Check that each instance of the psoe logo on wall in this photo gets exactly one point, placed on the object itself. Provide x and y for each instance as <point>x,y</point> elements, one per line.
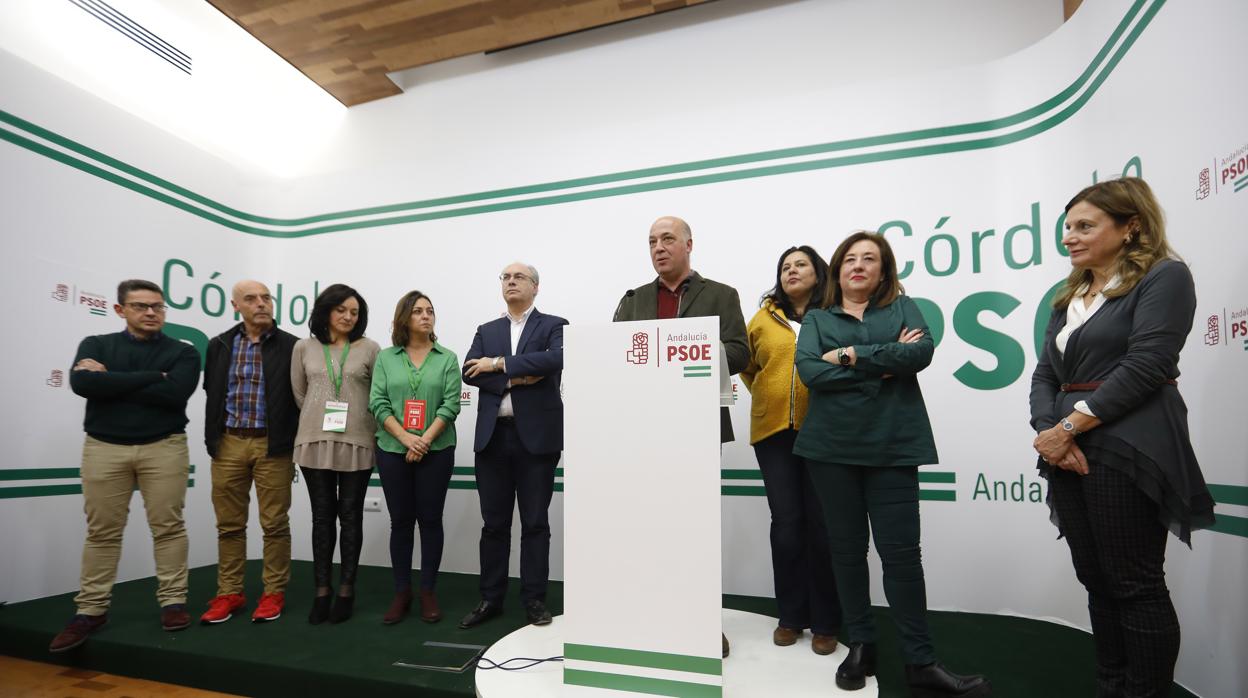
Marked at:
<point>1228,328</point>
<point>93,302</point>
<point>692,351</point>
<point>1228,173</point>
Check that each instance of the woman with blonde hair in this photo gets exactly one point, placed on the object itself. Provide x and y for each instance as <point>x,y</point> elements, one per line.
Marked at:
<point>1112,428</point>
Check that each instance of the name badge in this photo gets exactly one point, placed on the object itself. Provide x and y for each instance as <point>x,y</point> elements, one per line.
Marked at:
<point>335,416</point>
<point>414,414</point>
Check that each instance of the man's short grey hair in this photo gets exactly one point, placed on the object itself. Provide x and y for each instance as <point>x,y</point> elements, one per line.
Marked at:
<point>532,271</point>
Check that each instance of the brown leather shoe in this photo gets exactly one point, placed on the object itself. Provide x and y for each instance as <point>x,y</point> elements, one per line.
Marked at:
<point>77,632</point>
<point>823,644</point>
<point>175,617</point>
<point>429,611</point>
<point>399,607</point>
<point>725,637</point>
<point>785,636</point>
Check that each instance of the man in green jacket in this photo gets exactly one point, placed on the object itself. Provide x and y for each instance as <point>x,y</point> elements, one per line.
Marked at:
<point>679,291</point>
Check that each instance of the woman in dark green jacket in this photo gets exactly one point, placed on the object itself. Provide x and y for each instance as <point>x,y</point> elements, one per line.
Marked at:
<point>864,436</point>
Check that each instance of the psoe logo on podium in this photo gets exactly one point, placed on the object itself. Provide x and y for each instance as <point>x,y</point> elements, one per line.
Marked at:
<point>691,351</point>
<point>640,352</point>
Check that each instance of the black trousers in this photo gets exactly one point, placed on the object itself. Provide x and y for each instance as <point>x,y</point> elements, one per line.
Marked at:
<point>416,494</point>
<point>1118,546</point>
<point>508,475</point>
<point>336,496</point>
<point>863,502</point>
<point>800,561</point>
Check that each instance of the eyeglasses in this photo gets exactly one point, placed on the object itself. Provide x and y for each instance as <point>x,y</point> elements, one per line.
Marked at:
<point>159,308</point>
<point>505,277</point>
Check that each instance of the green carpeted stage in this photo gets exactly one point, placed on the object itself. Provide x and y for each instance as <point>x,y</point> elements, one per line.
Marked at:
<point>1024,658</point>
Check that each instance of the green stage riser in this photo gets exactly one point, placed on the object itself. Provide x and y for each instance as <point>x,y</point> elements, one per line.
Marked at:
<point>1024,658</point>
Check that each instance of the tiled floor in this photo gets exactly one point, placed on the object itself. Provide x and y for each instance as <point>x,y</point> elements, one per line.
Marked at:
<point>24,679</point>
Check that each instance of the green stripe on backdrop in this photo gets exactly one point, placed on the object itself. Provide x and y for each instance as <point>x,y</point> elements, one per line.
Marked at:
<point>712,666</point>
<point>641,684</point>
<point>742,491</point>
<point>38,491</point>
<point>1102,59</point>
<point>938,495</point>
<point>1229,494</point>
<point>39,473</point>
<point>947,478</point>
<point>1233,525</point>
<point>46,473</point>
<point>26,491</point>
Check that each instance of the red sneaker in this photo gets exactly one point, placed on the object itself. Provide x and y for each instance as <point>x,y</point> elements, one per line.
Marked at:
<point>269,608</point>
<point>221,608</point>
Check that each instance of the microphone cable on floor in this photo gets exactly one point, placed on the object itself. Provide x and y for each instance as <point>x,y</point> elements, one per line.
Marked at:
<point>483,663</point>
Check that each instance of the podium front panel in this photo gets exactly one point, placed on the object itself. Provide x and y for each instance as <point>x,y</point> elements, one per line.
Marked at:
<point>642,508</point>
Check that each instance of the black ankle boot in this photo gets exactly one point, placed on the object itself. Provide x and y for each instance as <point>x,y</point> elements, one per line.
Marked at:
<point>320,610</point>
<point>935,681</point>
<point>343,606</point>
<point>853,672</point>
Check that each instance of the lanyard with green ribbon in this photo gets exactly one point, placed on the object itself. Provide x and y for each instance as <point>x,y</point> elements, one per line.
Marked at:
<point>414,375</point>
<point>336,380</point>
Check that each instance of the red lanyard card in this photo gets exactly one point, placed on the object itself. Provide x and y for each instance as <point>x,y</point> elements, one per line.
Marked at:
<point>414,414</point>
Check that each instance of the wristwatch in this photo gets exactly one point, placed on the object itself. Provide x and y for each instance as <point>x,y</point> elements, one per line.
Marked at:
<point>1069,427</point>
<point>842,357</point>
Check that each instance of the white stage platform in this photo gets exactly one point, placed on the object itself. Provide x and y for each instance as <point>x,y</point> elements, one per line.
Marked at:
<point>756,668</point>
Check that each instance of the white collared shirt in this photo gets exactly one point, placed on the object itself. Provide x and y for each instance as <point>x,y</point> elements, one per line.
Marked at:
<point>517,328</point>
<point>1076,316</point>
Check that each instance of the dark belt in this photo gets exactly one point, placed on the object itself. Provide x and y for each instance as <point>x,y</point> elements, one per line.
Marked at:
<point>510,421</point>
<point>1089,387</point>
<point>247,432</point>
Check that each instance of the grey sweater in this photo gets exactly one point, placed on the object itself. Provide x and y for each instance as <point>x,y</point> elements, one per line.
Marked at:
<point>310,381</point>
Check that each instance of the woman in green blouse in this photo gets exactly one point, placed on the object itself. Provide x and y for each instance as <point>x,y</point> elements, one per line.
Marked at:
<point>415,399</point>
<point>865,434</point>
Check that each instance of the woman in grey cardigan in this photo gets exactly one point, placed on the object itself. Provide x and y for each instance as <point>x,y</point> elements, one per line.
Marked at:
<point>1112,428</point>
<point>331,373</point>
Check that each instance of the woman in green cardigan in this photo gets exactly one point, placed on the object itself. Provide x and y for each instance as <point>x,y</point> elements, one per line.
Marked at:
<point>865,434</point>
<point>415,399</point>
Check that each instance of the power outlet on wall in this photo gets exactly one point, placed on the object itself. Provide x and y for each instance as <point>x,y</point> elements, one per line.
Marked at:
<point>372,504</point>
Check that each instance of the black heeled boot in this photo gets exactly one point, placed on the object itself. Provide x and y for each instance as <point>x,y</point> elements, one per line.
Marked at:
<point>320,610</point>
<point>935,681</point>
<point>853,672</point>
<point>343,606</point>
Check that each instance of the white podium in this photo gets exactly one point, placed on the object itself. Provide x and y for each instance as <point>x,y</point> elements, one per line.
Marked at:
<point>642,509</point>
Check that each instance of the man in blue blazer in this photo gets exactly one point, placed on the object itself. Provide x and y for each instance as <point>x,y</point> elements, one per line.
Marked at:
<point>516,361</point>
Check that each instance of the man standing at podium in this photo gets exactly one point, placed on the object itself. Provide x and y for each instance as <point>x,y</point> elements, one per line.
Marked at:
<point>681,292</point>
<point>516,361</point>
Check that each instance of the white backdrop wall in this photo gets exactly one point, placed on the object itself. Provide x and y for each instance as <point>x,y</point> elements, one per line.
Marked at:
<point>1161,100</point>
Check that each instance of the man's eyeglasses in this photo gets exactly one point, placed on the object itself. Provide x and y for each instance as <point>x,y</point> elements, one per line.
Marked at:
<point>158,308</point>
<point>505,277</point>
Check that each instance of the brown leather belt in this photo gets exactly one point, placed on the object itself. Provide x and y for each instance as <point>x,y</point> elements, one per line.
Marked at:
<point>247,432</point>
<point>1089,387</point>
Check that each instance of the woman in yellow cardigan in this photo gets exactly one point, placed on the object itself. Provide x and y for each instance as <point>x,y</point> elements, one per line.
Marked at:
<point>805,586</point>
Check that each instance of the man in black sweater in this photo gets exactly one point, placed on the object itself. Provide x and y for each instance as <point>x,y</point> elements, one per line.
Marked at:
<point>136,383</point>
<point>249,427</point>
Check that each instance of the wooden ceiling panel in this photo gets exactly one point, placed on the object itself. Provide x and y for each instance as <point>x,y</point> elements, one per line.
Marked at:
<point>348,46</point>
